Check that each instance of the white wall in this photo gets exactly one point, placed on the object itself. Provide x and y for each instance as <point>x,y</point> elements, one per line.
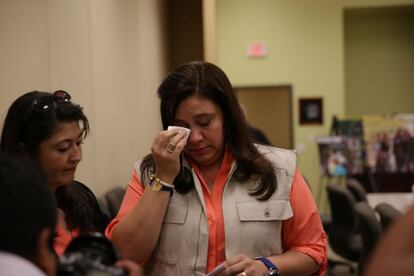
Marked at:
<point>108,54</point>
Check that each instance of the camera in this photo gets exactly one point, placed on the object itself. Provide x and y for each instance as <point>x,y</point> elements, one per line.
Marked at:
<point>89,255</point>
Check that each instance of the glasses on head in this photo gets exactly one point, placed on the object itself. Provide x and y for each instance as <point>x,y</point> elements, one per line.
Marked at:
<point>49,102</point>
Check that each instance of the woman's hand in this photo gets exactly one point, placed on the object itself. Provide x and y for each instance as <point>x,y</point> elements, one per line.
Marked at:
<point>130,267</point>
<point>290,262</point>
<point>242,265</point>
<point>166,150</point>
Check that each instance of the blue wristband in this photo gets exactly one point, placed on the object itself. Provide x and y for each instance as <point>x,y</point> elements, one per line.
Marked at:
<point>272,268</point>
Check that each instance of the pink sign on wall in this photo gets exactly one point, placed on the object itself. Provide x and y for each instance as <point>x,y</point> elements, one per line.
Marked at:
<point>257,50</point>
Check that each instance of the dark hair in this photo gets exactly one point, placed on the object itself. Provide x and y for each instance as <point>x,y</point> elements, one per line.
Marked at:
<point>27,207</point>
<point>209,81</point>
<point>24,128</point>
<point>81,208</point>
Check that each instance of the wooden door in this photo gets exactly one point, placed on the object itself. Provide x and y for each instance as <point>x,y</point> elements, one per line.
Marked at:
<point>269,109</point>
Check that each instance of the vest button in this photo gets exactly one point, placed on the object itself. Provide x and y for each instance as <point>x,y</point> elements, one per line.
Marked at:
<point>267,214</point>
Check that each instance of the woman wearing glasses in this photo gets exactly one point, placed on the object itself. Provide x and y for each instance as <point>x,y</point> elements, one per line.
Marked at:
<point>49,129</point>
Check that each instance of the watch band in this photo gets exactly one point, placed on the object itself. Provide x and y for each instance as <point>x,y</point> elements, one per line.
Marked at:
<point>153,177</point>
<point>272,268</point>
<point>159,185</point>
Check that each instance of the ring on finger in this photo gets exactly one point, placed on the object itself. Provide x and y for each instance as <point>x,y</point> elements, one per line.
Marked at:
<point>170,148</point>
<point>244,273</point>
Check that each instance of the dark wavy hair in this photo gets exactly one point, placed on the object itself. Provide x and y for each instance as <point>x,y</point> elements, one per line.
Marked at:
<point>206,80</point>
<point>25,129</point>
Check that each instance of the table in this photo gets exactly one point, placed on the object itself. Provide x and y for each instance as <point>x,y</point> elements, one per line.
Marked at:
<point>401,201</point>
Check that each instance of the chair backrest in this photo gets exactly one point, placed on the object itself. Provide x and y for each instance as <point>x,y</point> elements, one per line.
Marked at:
<point>342,235</point>
<point>387,213</point>
<point>104,205</point>
<point>114,199</point>
<point>356,189</point>
<point>370,229</point>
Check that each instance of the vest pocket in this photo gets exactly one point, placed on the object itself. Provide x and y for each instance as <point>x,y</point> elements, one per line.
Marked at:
<point>264,211</point>
<point>163,266</point>
<point>165,257</point>
<point>167,260</point>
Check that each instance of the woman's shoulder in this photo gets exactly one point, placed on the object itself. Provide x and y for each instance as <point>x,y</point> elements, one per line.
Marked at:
<point>81,205</point>
<point>77,190</point>
<point>79,186</point>
<point>277,152</point>
<point>282,158</point>
<point>74,189</point>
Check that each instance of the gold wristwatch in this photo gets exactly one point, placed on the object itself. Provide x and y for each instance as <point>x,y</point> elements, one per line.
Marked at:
<point>159,185</point>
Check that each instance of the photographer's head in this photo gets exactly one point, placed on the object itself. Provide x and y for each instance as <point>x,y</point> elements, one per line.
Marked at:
<point>28,213</point>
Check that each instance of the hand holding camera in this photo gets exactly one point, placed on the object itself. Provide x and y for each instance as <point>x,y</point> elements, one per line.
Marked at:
<point>94,255</point>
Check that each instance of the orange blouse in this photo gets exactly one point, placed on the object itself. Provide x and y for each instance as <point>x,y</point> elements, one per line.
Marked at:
<point>303,232</point>
<point>63,238</point>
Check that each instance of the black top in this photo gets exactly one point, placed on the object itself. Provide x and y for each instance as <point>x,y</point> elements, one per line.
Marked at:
<point>81,208</point>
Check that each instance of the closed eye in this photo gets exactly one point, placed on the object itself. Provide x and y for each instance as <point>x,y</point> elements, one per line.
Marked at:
<point>204,120</point>
<point>62,150</point>
<point>204,124</point>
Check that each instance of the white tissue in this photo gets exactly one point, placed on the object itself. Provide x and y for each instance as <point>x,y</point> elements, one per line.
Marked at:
<point>187,131</point>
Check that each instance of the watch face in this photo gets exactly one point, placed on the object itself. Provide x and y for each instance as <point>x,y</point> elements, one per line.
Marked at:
<point>156,186</point>
<point>272,272</point>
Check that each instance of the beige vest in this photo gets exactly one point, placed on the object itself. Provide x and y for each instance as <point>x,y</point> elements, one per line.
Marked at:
<point>251,227</point>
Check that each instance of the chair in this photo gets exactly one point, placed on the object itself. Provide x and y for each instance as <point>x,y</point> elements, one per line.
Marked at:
<point>387,214</point>
<point>370,229</point>
<point>342,235</point>
<point>356,189</point>
<point>103,204</point>
<point>114,199</point>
